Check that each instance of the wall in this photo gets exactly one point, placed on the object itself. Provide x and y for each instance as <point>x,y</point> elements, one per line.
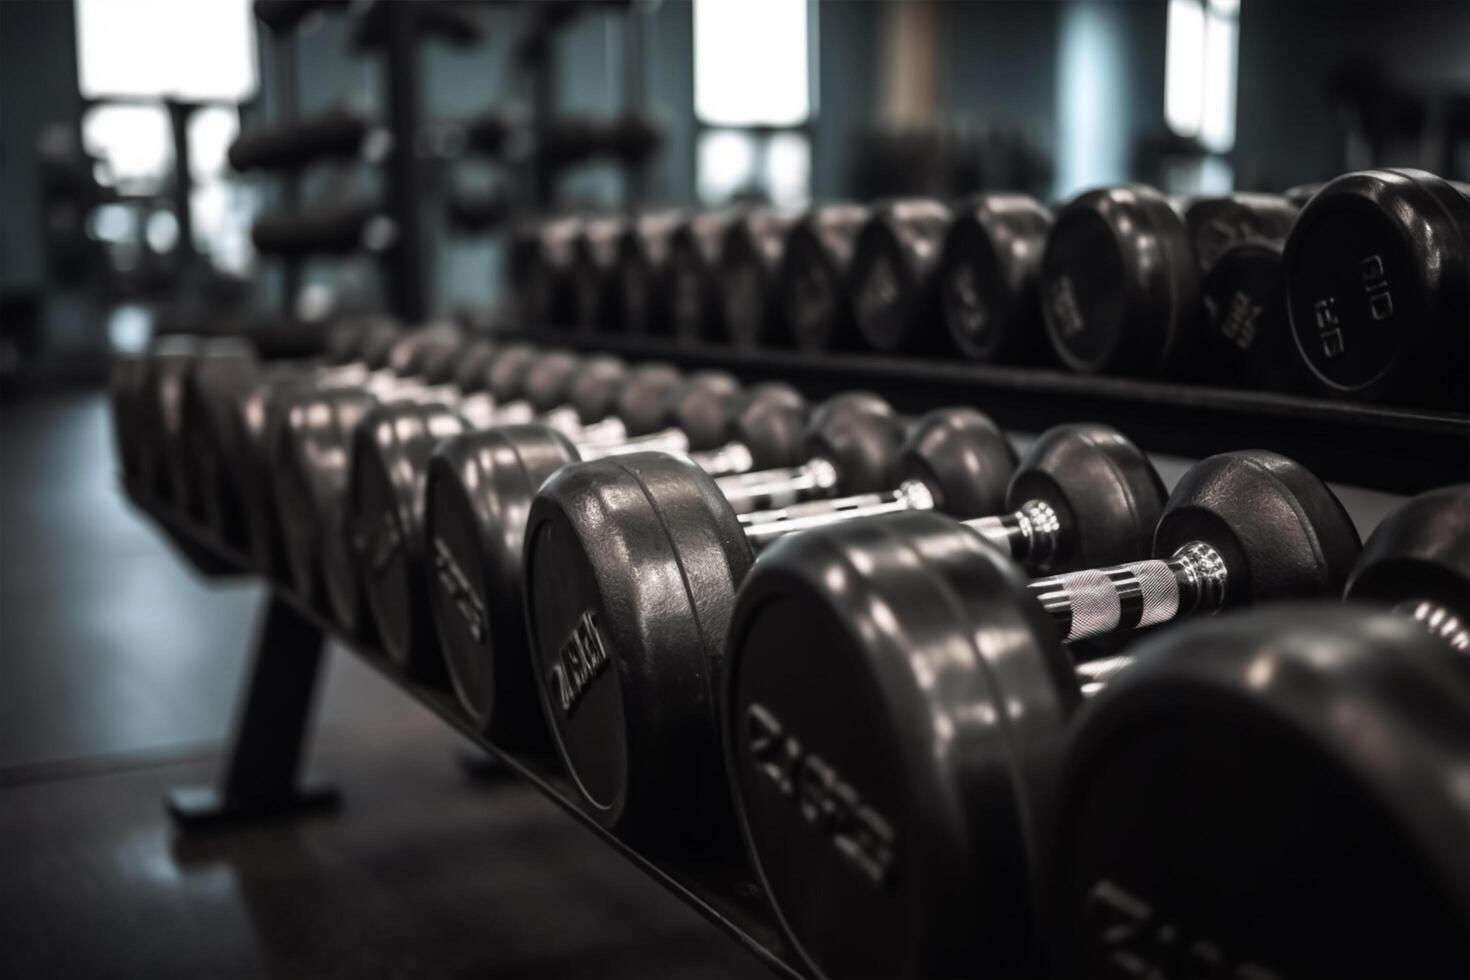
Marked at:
<point>38,86</point>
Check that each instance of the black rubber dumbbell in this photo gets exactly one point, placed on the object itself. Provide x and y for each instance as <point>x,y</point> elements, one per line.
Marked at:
<point>1120,275</point>
<point>543,270</point>
<point>693,301</point>
<point>1082,495</point>
<point>615,527</point>
<point>1378,288</point>
<point>642,274</point>
<point>1274,793</point>
<point>252,424</point>
<point>594,274</point>
<point>481,488</point>
<point>310,458</point>
<point>385,493</point>
<point>990,275</point>
<point>895,695</point>
<point>750,258</point>
<point>813,277</point>
<point>893,280</point>
<point>354,513</point>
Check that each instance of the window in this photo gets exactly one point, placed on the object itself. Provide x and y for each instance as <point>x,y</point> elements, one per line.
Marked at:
<point>753,99</point>
<point>1199,71</point>
<point>191,49</point>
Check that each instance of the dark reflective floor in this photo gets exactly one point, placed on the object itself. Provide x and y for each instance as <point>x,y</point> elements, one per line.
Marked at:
<point>120,671</point>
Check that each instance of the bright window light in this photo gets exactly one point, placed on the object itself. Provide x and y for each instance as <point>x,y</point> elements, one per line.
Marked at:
<point>135,140</point>
<point>727,165</point>
<point>750,62</point>
<point>193,49</point>
<point>789,169</point>
<point>1199,71</point>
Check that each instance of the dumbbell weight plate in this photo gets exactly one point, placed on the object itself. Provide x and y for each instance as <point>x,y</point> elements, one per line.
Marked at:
<point>624,697</point>
<point>989,278</point>
<point>1247,339</point>
<point>1267,794</point>
<point>812,279</point>
<point>886,798</point>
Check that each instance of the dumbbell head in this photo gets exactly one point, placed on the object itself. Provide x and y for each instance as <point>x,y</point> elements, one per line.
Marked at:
<point>859,438</point>
<point>1119,286</point>
<point>634,559</point>
<point>750,255</point>
<point>428,350</point>
<point>694,308</point>
<point>311,461</point>
<point>1269,793</point>
<point>505,374</point>
<point>1106,495</point>
<point>544,272</point>
<point>963,459</point>
<point>642,400</point>
<point>593,265</point>
<point>1216,223</point>
<point>595,387</point>
<point>892,707</point>
<point>642,272</point>
<point>548,380</point>
<point>892,282</point>
<point>1246,341</point>
<point>1419,553</point>
<point>812,279</point>
<point>389,458</point>
<point>1378,287</point>
<point>699,405</point>
<point>475,359</point>
<point>989,277</point>
<point>212,393</point>
<point>478,494</point>
<point>364,339</point>
<point>769,419</point>
<point>1280,532</point>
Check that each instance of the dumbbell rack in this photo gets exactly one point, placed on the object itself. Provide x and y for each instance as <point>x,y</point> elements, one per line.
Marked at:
<point>259,779</point>
<point>1381,447</point>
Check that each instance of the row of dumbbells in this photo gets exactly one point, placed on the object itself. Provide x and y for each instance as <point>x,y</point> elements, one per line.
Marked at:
<point>1358,288</point>
<point>890,703</point>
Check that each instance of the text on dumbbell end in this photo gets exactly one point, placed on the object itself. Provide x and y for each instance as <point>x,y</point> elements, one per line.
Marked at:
<point>823,799</point>
<point>579,660</point>
<point>1062,298</point>
<point>383,547</point>
<point>456,585</point>
<point>1134,940</point>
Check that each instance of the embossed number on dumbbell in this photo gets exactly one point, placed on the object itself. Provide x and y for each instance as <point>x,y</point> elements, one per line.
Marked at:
<point>1140,944</point>
<point>1375,284</point>
<point>823,798</point>
<point>457,587</point>
<point>1063,302</point>
<point>579,661</point>
<point>384,546</point>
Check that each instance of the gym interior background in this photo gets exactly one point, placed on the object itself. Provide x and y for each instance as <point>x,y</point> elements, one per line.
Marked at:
<point>172,168</point>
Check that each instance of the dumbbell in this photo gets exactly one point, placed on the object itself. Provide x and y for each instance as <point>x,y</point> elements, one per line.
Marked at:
<point>1247,340</point>
<point>594,267</point>
<point>543,273</point>
<point>1378,287</point>
<point>1120,274</point>
<point>750,258</point>
<point>480,489</point>
<point>642,266</point>
<point>257,419</point>
<point>310,458</point>
<point>693,310</point>
<point>390,458</point>
<point>616,528</point>
<point>554,388</point>
<point>895,695</point>
<point>989,278</point>
<point>812,280</point>
<point>1279,793</point>
<point>1083,495</point>
<point>893,280</point>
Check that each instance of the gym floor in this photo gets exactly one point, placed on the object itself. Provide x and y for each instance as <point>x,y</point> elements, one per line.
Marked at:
<point>121,674</point>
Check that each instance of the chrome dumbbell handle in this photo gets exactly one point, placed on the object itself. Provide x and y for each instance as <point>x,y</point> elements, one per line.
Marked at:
<point>910,495</point>
<point>1030,534</point>
<point>757,492</point>
<point>1095,601</point>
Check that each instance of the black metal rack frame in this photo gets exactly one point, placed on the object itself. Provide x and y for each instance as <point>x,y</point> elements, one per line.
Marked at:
<point>261,770</point>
